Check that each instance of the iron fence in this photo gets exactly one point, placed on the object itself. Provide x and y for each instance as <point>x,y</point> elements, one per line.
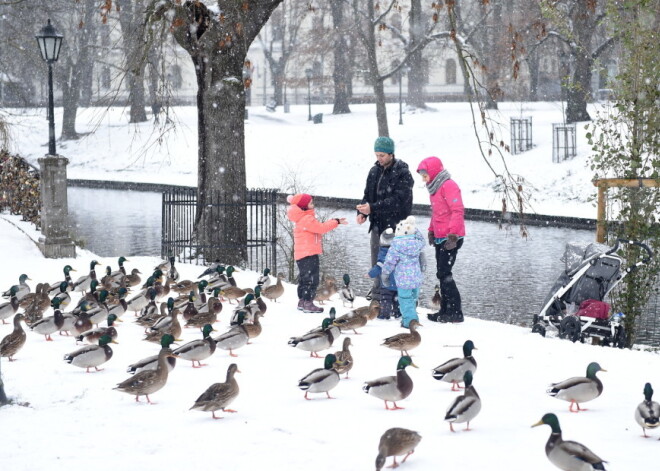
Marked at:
<point>179,210</point>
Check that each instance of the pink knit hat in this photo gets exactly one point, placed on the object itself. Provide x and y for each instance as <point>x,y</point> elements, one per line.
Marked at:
<point>301,200</point>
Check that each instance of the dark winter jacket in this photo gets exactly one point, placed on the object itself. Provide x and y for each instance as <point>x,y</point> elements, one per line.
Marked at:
<point>377,269</point>
<point>389,194</point>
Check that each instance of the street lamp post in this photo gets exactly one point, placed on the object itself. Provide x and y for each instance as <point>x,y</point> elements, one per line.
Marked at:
<point>308,74</point>
<point>55,242</point>
<point>402,71</point>
<point>50,42</point>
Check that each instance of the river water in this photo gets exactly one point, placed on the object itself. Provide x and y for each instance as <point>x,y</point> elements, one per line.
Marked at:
<point>501,276</point>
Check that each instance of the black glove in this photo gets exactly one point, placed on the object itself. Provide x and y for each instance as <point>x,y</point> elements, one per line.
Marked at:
<point>431,238</point>
<point>450,243</point>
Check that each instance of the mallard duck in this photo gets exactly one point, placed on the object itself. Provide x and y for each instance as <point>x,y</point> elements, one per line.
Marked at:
<point>63,295</point>
<point>392,388</point>
<point>336,331</point>
<point>149,310</point>
<point>466,407</point>
<point>133,279</point>
<point>120,273</point>
<point>264,280</point>
<point>234,338</point>
<point>209,316</point>
<point>142,299</point>
<point>38,293</point>
<point>579,389</point>
<point>67,278</point>
<point>211,269</point>
<point>198,350</point>
<point>82,322</point>
<point>83,282</point>
<point>185,286</point>
<point>91,356</point>
<point>121,306</point>
<point>436,300</point>
<point>274,292</point>
<point>219,279</point>
<point>148,381</point>
<point>98,311</point>
<point>190,310</point>
<point>162,290</point>
<point>396,442</point>
<point>49,325</point>
<point>344,358</point>
<point>452,371</point>
<point>90,296</point>
<point>108,281</point>
<point>219,395</point>
<point>164,265</point>
<point>315,341</point>
<point>247,308</point>
<point>173,275</point>
<point>233,292</point>
<point>647,413</point>
<point>38,305</point>
<point>321,380</point>
<point>93,336</point>
<point>327,289</point>
<point>568,455</point>
<point>166,325</point>
<point>23,288</point>
<point>351,321</point>
<point>370,312</point>
<point>346,293</point>
<point>406,341</point>
<point>13,342</point>
<point>261,304</point>
<point>254,330</point>
<point>8,309</point>
<point>151,362</point>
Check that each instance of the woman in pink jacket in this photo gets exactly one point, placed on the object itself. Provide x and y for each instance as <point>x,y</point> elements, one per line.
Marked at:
<point>446,233</point>
<point>307,246</point>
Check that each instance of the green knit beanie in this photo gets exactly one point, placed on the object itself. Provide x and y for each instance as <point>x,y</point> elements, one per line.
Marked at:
<point>384,144</point>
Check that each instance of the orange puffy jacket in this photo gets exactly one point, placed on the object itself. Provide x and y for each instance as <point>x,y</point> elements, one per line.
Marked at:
<point>308,231</point>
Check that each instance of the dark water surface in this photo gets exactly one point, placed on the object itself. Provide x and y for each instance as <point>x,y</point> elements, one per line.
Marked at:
<point>501,276</point>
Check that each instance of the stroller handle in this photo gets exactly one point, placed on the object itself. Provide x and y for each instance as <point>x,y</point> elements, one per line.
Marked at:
<point>645,260</point>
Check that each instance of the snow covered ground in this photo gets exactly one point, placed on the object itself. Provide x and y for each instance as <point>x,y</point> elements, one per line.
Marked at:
<point>329,159</point>
<point>63,418</point>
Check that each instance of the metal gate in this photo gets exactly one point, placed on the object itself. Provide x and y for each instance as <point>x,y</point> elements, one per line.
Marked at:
<point>178,216</point>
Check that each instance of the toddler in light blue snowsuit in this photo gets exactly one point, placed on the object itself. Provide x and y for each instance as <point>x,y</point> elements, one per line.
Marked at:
<point>406,260</point>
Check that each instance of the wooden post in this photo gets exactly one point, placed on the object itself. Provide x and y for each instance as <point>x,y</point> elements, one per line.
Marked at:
<point>603,184</point>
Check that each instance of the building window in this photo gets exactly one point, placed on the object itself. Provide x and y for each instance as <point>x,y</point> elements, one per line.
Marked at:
<point>450,71</point>
<point>176,80</point>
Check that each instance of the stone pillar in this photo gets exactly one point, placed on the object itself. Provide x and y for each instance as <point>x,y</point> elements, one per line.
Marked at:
<point>56,242</point>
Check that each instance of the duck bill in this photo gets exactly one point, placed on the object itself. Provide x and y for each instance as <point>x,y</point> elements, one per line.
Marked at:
<point>540,422</point>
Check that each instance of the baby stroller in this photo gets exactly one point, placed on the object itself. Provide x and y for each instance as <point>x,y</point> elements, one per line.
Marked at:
<point>575,306</point>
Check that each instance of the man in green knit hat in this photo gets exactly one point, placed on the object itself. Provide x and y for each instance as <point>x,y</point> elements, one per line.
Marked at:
<point>387,197</point>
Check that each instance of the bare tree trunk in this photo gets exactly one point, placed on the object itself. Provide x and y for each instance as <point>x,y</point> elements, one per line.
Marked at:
<point>415,63</point>
<point>340,72</point>
<point>533,66</point>
<point>579,90</point>
<point>218,49</point>
<point>132,26</point>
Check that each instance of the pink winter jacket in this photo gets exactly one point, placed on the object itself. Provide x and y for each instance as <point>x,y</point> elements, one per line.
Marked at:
<point>447,212</point>
<point>308,231</point>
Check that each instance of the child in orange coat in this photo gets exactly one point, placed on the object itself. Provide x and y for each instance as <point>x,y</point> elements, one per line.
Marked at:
<point>307,246</point>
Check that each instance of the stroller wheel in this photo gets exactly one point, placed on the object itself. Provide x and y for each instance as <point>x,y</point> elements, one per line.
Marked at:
<point>570,328</point>
<point>538,328</point>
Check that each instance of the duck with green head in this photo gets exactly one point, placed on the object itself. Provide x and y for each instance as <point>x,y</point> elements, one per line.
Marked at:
<point>568,455</point>
<point>91,356</point>
<point>579,389</point>
<point>67,278</point>
<point>150,362</point>
<point>453,371</point>
<point>120,273</point>
<point>93,336</point>
<point>23,288</point>
<point>82,283</point>
<point>465,407</point>
<point>198,350</point>
<point>219,396</point>
<point>647,413</point>
<point>264,280</point>
<point>315,341</point>
<point>63,295</point>
<point>321,380</point>
<point>392,388</point>
<point>9,308</point>
<point>234,338</point>
<point>346,293</point>
<point>49,325</point>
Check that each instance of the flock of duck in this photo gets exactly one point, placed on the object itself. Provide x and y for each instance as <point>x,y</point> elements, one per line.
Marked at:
<point>185,303</point>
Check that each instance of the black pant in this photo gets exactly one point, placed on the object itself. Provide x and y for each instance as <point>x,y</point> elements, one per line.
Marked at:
<point>308,277</point>
<point>374,243</point>
<point>451,298</point>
